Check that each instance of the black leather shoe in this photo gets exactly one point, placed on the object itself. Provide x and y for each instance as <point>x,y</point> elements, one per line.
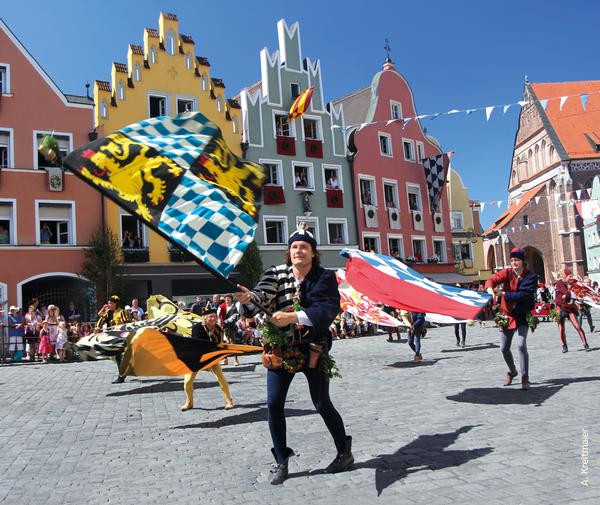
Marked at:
<point>343,460</point>
<point>279,472</point>
<point>565,348</point>
<point>119,380</point>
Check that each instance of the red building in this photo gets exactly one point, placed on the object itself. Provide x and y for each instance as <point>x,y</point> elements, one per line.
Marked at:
<point>46,216</point>
<point>394,214</point>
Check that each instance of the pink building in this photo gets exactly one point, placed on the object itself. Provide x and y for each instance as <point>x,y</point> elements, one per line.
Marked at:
<point>46,215</point>
<point>394,214</point>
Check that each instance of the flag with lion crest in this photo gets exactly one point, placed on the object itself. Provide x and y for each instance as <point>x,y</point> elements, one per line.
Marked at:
<point>179,177</point>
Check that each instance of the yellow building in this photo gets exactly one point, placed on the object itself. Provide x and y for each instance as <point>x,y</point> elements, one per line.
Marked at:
<point>162,77</point>
<point>467,241</point>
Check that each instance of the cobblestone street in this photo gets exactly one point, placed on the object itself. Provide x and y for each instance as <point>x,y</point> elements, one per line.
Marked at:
<point>441,431</point>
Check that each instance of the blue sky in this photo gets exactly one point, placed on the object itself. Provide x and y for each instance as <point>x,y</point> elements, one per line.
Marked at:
<point>460,54</point>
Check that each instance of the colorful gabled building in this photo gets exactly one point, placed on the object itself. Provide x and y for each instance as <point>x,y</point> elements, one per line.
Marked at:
<point>305,157</point>
<point>164,76</point>
<point>47,215</point>
<point>556,156</point>
<point>393,211</point>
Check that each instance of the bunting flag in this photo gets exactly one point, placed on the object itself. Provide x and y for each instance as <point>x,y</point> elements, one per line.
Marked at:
<point>362,306</point>
<point>436,169</point>
<point>563,100</point>
<point>388,281</point>
<point>585,292</point>
<point>152,352</point>
<point>178,176</point>
<point>301,103</point>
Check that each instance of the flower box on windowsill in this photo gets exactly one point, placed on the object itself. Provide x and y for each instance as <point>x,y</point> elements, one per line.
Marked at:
<point>314,148</point>
<point>433,259</point>
<point>136,255</point>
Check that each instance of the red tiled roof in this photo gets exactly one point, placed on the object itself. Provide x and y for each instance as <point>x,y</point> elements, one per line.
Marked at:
<point>507,216</point>
<point>186,39</point>
<point>170,16</point>
<point>255,87</point>
<point>203,60</point>
<point>572,123</point>
<point>152,32</point>
<point>135,49</point>
<point>104,86</point>
<point>120,67</point>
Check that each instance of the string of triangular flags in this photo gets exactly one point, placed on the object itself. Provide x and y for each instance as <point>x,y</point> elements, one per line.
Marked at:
<point>568,201</point>
<point>583,97</point>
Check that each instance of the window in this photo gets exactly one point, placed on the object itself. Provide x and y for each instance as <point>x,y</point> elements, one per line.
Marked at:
<point>396,110</point>
<point>132,232</point>
<point>121,90</point>
<point>439,249</point>
<point>137,73</point>
<point>55,223</point>
<point>188,61</point>
<point>385,144</point>
<point>170,42</point>
<point>414,198</point>
<point>274,172</point>
<point>4,78</point>
<point>282,126</point>
<point>295,89</point>
<point>371,243</point>
<point>219,104</point>
<point>419,249</point>
<point>390,194</point>
<point>7,222</point>
<point>153,55</point>
<point>203,82</point>
<point>367,192</point>
<point>303,176</point>
<point>525,219</point>
<point>312,225</point>
<point>64,146</point>
<point>420,151</point>
<point>409,151</point>
<point>234,124</point>
<point>462,251</point>
<point>5,150</point>
<point>185,105</point>
<point>103,109</point>
<point>396,247</point>
<point>337,231</point>
<point>311,129</point>
<point>456,220</point>
<point>275,229</point>
<point>332,177</point>
<point>158,105</point>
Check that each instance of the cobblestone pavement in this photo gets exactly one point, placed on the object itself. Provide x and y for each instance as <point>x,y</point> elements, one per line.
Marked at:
<point>441,431</point>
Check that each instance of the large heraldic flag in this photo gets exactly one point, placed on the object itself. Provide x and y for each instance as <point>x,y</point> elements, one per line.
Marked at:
<point>178,176</point>
<point>389,281</point>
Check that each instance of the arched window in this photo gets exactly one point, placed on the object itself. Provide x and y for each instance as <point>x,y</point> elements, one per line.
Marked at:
<point>170,42</point>
<point>103,109</point>
<point>538,167</point>
<point>121,90</point>
<point>203,82</point>
<point>551,154</point>
<point>153,55</point>
<point>219,104</point>
<point>530,167</point>
<point>188,61</point>
<point>137,75</point>
<point>514,177</point>
<point>544,153</point>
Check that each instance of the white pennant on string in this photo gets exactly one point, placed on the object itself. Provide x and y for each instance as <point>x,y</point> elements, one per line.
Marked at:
<point>482,204</point>
<point>563,99</point>
<point>470,111</point>
<point>578,193</point>
<point>453,111</point>
<point>537,199</point>
<point>544,103</point>
<point>584,98</point>
<point>488,112</point>
<point>522,103</point>
<point>533,226</point>
<point>361,126</point>
<point>505,108</point>
<point>406,121</point>
<point>517,200</point>
<point>499,203</point>
<point>589,191</point>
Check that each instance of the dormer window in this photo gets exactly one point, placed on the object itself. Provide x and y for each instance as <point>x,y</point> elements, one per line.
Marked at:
<point>170,42</point>
<point>4,79</point>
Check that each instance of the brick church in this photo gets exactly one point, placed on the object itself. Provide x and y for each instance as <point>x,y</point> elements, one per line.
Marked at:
<point>556,155</point>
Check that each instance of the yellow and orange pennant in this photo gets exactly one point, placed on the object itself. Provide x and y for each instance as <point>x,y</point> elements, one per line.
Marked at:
<point>301,103</point>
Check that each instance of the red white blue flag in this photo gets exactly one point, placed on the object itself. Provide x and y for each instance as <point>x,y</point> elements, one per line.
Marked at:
<point>390,282</point>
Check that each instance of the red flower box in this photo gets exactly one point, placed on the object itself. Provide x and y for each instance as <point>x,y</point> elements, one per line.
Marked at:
<point>273,195</point>
<point>286,145</point>
<point>314,148</point>
<point>335,198</point>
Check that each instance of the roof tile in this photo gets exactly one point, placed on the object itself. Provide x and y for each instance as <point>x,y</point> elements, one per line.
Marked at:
<point>104,86</point>
<point>135,49</point>
<point>120,67</point>
<point>152,32</point>
<point>170,16</point>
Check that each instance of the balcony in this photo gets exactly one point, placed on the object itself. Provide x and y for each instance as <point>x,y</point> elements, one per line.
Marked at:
<point>136,255</point>
<point>178,256</point>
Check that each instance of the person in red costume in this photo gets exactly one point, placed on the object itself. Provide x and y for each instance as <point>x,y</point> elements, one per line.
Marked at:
<point>565,301</point>
<point>514,288</point>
